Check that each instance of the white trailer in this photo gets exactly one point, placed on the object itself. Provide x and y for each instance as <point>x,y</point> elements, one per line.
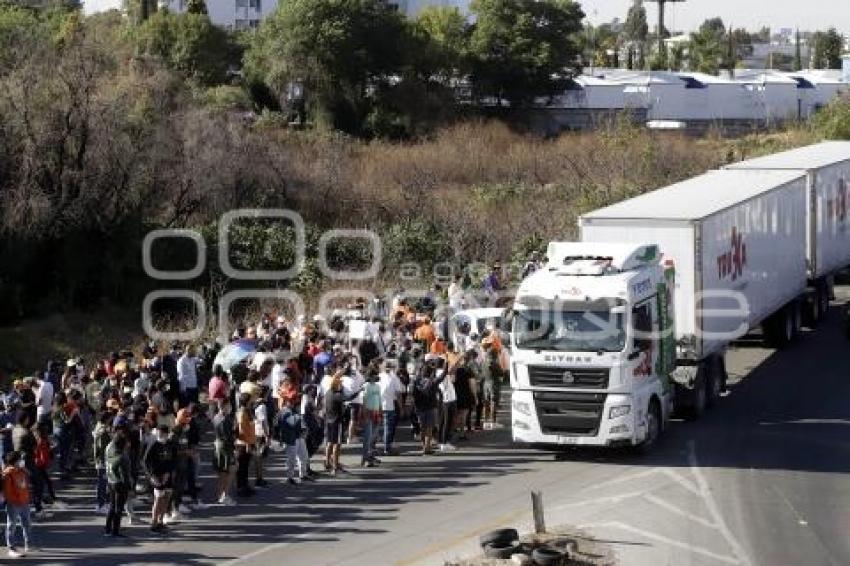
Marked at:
<point>827,169</point>
<point>737,240</point>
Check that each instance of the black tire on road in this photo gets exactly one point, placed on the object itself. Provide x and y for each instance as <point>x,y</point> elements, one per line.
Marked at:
<point>548,556</point>
<point>698,395</point>
<point>501,549</point>
<point>653,428</point>
<point>715,382</point>
<point>499,535</point>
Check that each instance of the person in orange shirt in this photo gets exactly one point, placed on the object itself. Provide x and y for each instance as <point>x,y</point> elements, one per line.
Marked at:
<point>17,495</point>
<point>425,334</point>
<point>438,346</point>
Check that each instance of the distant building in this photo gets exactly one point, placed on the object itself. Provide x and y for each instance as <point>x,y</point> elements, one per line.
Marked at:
<point>247,14</point>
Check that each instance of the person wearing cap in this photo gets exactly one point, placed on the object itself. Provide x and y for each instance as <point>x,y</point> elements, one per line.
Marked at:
<point>333,407</point>
<point>118,477</point>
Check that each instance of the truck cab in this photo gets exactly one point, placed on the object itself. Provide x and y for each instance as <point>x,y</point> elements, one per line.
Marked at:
<point>593,346</point>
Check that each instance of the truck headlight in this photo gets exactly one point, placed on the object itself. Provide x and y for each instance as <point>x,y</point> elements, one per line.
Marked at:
<point>619,411</point>
<point>522,408</point>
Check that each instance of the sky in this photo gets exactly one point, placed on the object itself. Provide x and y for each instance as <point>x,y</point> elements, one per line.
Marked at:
<point>751,14</point>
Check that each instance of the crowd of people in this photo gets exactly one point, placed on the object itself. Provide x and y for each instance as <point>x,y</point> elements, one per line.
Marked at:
<point>140,426</point>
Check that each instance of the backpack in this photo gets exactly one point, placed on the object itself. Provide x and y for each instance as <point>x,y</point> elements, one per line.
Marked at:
<point>422,398</point>
<point>42,455</point>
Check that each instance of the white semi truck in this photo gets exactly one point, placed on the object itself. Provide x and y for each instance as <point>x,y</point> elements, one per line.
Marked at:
<point>633,321</point>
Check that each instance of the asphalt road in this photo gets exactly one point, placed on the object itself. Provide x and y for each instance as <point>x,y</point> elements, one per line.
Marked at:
<point>761,479</point>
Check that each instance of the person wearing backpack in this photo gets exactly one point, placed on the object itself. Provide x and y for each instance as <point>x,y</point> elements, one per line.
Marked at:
<point>43,459</point>
<point>426,400</point>
<point>119,477</point>
<point>17,496</point>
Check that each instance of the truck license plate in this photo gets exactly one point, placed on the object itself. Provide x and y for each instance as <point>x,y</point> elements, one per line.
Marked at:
<point>567,440</point>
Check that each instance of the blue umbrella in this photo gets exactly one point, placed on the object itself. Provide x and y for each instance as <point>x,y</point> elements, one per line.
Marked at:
<point>235,353</point>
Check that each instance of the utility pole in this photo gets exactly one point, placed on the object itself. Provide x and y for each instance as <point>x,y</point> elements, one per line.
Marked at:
<point>661,5</point>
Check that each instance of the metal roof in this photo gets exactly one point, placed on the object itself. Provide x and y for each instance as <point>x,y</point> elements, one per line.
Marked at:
<point>698,197</point>
<point>809,157</point>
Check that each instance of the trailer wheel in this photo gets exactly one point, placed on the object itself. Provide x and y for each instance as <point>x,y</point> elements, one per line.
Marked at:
<point>779,329</point>
<point>715,382</point>
<point>823,299</point>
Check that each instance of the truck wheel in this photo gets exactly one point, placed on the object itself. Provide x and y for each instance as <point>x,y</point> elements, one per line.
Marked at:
<point>653,428</point>
<point>812,310</point>
<point>779,329</point>
<point>823,300</point>
<point>714,383</point>
<point>797,317</point>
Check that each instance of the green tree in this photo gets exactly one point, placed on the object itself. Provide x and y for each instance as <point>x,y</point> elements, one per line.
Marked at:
<point>828,46</point>
<point>709,47</point>
<point>190,44</point>
<point>333,51</point>
<point>196,7</point>
<point>518,46</point>
<point>636,27</point>
<point>444,33</point>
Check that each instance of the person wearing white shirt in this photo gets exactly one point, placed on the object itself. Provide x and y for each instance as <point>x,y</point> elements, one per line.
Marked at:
<point>43,399</point>
<point>353,381</point>
<point>187,376</point>
<point>449,412</point>
<point>391,391</point>
<point>456,295</point>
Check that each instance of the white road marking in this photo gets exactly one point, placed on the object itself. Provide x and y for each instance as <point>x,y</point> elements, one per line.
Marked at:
<point>600,500</point>
<point>668,541</point>
<point>682,481</point>
<point>737,548</point>
<point>623,479</point>
<point>678,511</point>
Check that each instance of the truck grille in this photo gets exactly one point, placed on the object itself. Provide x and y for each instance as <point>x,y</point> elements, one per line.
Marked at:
<point>569,413</point>
<point>569,378</point>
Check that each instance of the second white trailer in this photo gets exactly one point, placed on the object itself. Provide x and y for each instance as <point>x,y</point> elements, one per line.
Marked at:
<point>827,169</point>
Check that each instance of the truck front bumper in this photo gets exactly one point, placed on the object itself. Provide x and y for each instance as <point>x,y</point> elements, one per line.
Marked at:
<point>620,430</point>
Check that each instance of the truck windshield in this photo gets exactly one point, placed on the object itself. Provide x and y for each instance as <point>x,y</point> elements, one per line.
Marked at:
<point>570,331</point>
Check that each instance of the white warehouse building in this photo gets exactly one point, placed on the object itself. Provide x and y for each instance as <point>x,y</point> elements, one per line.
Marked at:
<point>691,101</point>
